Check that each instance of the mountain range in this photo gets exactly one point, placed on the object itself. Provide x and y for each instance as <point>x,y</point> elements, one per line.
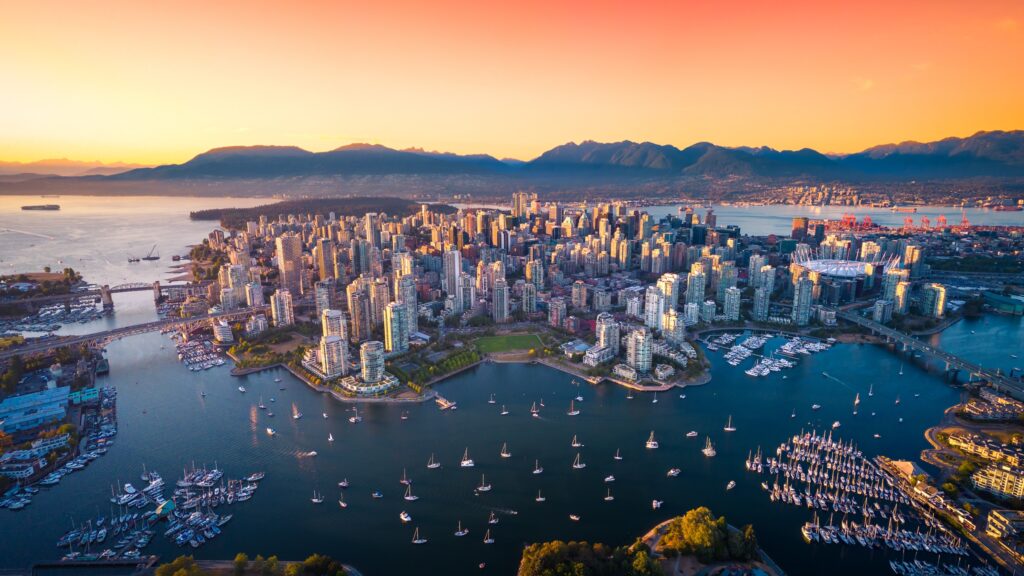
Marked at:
<point>995,156</point>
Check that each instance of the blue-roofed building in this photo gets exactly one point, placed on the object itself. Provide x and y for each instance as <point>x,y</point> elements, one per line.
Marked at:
<point>27,411</point>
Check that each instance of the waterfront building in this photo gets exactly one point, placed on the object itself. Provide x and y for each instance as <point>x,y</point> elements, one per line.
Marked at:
<point>638,350</point>
<point>333,323</point>
<point>691,313</point>
<point>371,357</point>
<point>673,326</point>
<point>1001,480</point>
<point>34,409</point>
<point>707,311</point>
<point>882,311</point>
<point>256,325</point>
<point>222,332</point>
<point>1004,524</point>
<point>396,328</point>
<point>987,449</point>
<point>289,262</point>
<point>607,331</point>
<point>500,301</point>
<point>405,292</point>
<point>802,297</point>
<point>732,304</point>
<point>596,355</point>
<point>281,310</point>
<point>333,356</point>
<point>556,312</point>
<point>762,303</point>
<point>933,300</point>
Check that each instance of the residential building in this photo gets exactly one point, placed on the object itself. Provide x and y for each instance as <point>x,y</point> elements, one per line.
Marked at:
<point>281,310</point>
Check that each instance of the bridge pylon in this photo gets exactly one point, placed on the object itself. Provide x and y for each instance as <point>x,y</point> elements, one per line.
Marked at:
<point>106,297</point>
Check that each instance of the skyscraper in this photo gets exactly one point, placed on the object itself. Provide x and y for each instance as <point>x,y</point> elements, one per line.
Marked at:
<point>732,304</point>
<point>803,292</point>
<point>333,356</point>
<point>326,254</point>
<point>281,308</point>
<point>607,330</point>
<point>668,284</point>
<point>673,326</point>
<point>762,302</point>
<point>289,262</point>
<point>371,356</point>
<point>333,323</point>
<point>406,294</point>
<point>500,301</point>
<point>654,307</point>
<point>901,298</point>
<point>396,328</point>
<point>324,295</point>
<point>452,270</point>
<point>695,282</point>
<point>638,350</point>
<point>529,298</point>
<point>556,312</point>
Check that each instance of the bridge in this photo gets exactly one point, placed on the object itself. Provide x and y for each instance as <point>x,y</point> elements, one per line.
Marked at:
<point>103,338</point>
<point>104,293</point>
<point>954,363</point>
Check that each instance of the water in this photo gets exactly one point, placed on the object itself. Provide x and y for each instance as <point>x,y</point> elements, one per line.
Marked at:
<point>166,424</point>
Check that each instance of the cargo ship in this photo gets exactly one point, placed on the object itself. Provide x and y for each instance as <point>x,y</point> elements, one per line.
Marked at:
<point>41,207</point>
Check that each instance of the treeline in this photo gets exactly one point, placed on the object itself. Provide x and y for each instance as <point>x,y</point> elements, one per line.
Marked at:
<point>236,218</point>
<point>315,565</point>
<point>559,558</point>
<point>698,533</point>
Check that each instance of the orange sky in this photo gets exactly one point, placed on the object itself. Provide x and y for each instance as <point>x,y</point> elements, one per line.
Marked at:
<point>157,82</point>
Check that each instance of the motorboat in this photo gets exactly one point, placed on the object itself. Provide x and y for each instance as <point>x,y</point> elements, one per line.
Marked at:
<point>651,443</point>
<point>405,516</point>
<point>691,434</point>
<point>730,485</point>
<point>673,472</point>
<point>609,478</point>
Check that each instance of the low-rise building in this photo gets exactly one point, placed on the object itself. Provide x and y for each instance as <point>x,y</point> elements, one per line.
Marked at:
<point>987,449</point>
<point>1000,480</point>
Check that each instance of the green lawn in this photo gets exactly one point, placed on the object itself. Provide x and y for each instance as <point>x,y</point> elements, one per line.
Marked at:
<point>508,343</point>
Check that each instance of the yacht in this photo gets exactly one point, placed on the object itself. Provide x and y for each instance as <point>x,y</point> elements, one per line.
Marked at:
<point>651,442</point>
<point>317,498</point>
<point>484,486</point>
<point>433,463</point>
<point>835,424</point>
<point>578,464</point>
<point>609,479</point>
<point>405,481</point>
<point>539,497</point>
<point>504,411</point>
<point>466,462</point>
<point>617,456</point>
<point>343,484</point>
<point>325,415</point>
<point>536,467</point>
<point>609,497</point>
<point>461,531</point>
<point>730,485</point>
<point>341,500</point>
<point>409,496</point>
<point>576,443</point>
<point>574,517</point>
<point>572,409</point>
<point>270,431</point>
<point>355,418</point>
<point>241,389</point>
<point>493,518</point>
<point>504,451</point>
<point>377,495</point>
<point>487,537</point>
<point>691,434</point>
<point>416,537</point>
<point>262,406</point>
<point>709,449</point>
<point>656,504</point>
<point>673,472</point>
<point>815,406</point>
<point>330,437</point>
<point>405,516</point>
<point>728,425</point>
<point>491,401</point>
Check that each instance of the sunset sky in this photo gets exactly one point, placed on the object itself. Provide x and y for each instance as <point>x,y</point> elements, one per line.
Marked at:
<point>158,82</point>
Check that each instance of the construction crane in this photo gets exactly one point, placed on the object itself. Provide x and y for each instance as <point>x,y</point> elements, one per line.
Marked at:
<point>150,256</point>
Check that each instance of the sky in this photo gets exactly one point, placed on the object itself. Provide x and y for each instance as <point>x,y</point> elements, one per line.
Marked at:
<point>159,82</point>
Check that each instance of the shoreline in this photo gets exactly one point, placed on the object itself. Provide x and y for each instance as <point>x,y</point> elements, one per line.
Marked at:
<point>652,536</point>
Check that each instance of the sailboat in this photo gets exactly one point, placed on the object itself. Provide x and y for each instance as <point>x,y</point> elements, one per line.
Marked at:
<point>466,462</point>
<point>461,531</point>
<point>629,394</point>
<point>572,409</point>
<point>504,451</point>
<point>793,415</point>
<point>330,437</point>
<point>261,405</point>
<point>856,399</point>
<point>491,401</point>
<point>534,411</point>
<point>728,425</point>
<point>618,455</point>
<point>655,399</point>
<point>405,415</point>
<point>409,495</point>
<point>579,397</point>
<point>433,463</point>
<point>487,537</point>
<point>578,464</point>
<point>355,418</point>
<point>405,478</point>
<point>317,497</point>
<point>325,415</point>
<point>576,443</point>
<point>484,486</point>
<point>897,399</point>
<point>416,537</point>
<point>295,412</point>
<point>609,497</point>
<point>901,369</point>
<point>203,393</point>
<point>539,497</point>
<point>871,389</point>
<point>536,467</point>
<point>504,411</point>
<point>341,500</point>
<point>651,444</point>
<point>493,518</point>
<point>709,448</point>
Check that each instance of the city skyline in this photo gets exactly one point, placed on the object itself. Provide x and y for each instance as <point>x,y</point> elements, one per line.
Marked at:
<point>511,82</point>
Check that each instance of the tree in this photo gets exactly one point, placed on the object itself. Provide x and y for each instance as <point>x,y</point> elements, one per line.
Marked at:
<point>181,566</point>
<point>241,563</point>
<point>271,567</point>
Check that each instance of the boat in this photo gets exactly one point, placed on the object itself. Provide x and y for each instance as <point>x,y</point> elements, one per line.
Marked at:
<point>629,394</point>
<point>405,415</point>
<point>730,485</point>
<point>793,415</point>
<point>572,409</point>
<point>709,449</point>
<point>466,462</point>
<point>325,415</point>
<point>317,498</point>
<point>241,389</point>
<point>815,406</point>
<point>539,497</point>
<point>728,425</point>
<point>656,504</point>
<point>487,537</point>
<point>609,479</point>
<point>534,411</point>
<point>405,479</point>
<point>878,435</point>
<point>871,389</point>
<point>409,496</point>
<point>651,443</point>
<point>576,443</point>
<point>609,497</point>
<point>673,472</point>
<point>270,431</point>
<point>355,418</point>
<point>341,500</point>
<point>504,411</point>
<point>433,463</point>
<point>574,517</point>
<point>655,399</point>
<point>484,486</point>
<point>901,369</point>
<point>536,467</point>
<point>578,464</point>
<point>897,399</point>
<point>617,456</point>
<point>343,484</point>
<point>491,401</point>
<point>277,380</point>
<point>405,516</point>
<point>416,537</point>
<point>835,424</point>
<point>261,406</point>
<point>330,437</point>
<point>682,396</point>
<point>46,207</point>
<point>202,394</point>
<point>856,400</point>
<point>376,495</point>
<point>461,531</point>
<point>270,413</point>
<point>504,451</point>
<point>295,413</point>
<point>691,434</point>
<point>493,518</point>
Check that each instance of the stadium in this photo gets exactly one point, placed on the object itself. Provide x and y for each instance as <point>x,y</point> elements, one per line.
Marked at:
<point>840,280</point>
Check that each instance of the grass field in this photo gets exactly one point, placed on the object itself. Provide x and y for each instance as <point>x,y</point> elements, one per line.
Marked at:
<point>509,343</point>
